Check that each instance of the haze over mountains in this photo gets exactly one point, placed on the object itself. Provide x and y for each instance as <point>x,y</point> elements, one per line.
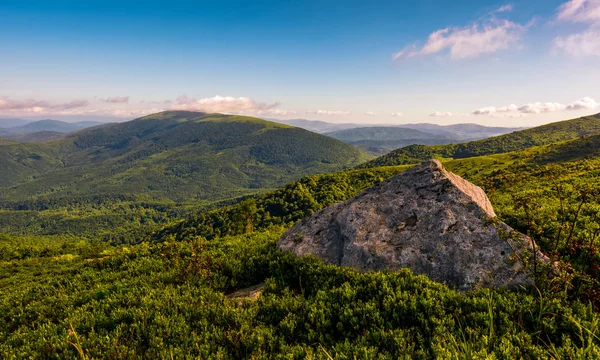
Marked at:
<point>12,122</point>
<point>460,131</point>
<point>41,130</point>
<point>380,139</point>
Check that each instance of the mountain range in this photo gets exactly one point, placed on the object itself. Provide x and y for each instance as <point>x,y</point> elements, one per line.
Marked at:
<point>180,156</point>
<point>383,139</point>
<point>13,122</point>
<point>518,140</point>
<point>41,130</point>
<point>465,131</point>
<point>380,139</point>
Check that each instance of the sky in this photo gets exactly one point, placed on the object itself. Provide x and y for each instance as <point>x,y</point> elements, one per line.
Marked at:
<point>520,63</point>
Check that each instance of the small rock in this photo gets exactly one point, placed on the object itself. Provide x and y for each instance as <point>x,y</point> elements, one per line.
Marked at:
<point>251,293</point>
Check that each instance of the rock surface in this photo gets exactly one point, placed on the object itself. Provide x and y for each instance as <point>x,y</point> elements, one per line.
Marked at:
<point>426,219</point>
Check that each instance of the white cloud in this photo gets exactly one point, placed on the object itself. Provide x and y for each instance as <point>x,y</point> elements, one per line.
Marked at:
<point>442,114</point>
<point>277,112</point>
<point>370,113</point>
<point>329,112</point>
<point>485,111</point>
<point>537,108</point>
<point>468,42</point>
<point>504,8</point>
<point>164,102</point>
<point>396,114</point>
<point>222,104</point>
<point>586,43</point>
<point>447,114</point>
<point>507,109</point>
<point>116,99</point>
<point>37,106</point>
<point>582,11</point>
<point>586,103</point>
<point>131,113</point>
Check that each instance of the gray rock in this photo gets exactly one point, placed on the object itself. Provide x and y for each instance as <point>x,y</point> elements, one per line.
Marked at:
<point>426,219</point>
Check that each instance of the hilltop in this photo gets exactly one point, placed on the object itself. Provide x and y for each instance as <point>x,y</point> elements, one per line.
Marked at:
<point>172,155</point>
<point>518,140</point>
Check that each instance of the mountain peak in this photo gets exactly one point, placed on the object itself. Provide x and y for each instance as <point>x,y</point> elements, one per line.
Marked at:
<point>426,219</point>
<point>170,114</point>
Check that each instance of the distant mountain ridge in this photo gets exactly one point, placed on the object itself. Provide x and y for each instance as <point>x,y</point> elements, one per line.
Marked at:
<point>12,122</point>
<point>518,140</point>
<point>383,133</point>
<point>318,126</point>
<point>389,138</point>
<point>46,125</point>
<point>465,131</point>
<point>176,155</point>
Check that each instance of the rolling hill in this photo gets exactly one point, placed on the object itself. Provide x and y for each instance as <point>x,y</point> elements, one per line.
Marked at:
<point>172,155</point>
<point>518,140</point>
<point>389,138</point>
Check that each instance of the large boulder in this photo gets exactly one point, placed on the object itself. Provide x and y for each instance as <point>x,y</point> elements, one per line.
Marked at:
<point>426,219</point>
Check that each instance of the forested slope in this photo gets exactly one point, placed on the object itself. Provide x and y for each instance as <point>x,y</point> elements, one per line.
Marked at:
<point>183,292</point>
<point>172,155</point>
<point>518,140</point>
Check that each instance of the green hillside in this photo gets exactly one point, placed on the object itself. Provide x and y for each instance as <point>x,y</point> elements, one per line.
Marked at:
<point>40,136</point>
<point>6,141</point>
<point>279,208</point>
<point>526,178</point>
<point>518,140</point>
<point>165,298</point>
<point>180,156</point>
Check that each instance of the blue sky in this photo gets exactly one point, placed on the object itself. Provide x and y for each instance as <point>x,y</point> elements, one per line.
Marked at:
<point>489,62</point>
